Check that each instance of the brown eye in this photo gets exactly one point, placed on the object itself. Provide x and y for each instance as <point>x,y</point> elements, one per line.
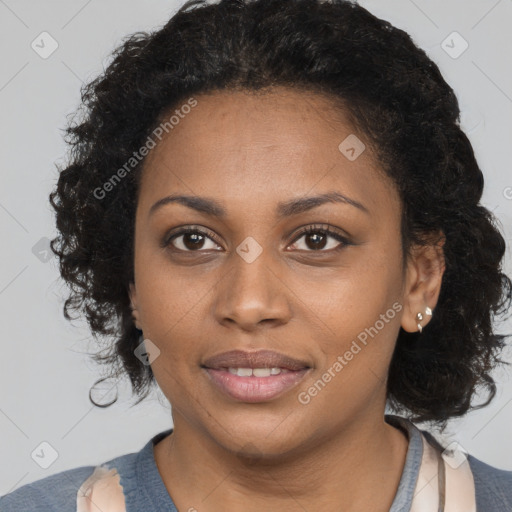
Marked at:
<point>191,240</point>
<point>317,239</point>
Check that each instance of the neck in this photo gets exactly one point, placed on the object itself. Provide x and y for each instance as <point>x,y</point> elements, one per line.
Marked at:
<point>359,467</point>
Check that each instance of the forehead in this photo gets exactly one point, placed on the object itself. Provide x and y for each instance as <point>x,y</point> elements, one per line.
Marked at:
<point>240,145</point>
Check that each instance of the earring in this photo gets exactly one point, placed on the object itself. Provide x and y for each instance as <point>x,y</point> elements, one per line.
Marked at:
<point>419,317</point>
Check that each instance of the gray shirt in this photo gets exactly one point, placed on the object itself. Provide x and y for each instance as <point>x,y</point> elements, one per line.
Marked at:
<point>145,490</point>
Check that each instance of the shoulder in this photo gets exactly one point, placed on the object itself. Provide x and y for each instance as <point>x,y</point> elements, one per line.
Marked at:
<point>493,486</point>
<point>58,492</point>
<point>52,493</point>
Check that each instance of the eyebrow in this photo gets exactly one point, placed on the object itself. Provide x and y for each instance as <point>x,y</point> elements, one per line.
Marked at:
<point>284,209</point>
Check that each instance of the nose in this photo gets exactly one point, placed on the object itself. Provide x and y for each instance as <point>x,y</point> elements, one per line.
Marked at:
<point>252,295</point>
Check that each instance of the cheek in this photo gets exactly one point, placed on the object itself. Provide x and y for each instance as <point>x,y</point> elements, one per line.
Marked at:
<point>356,358</point>
<point>346,303</point>
<point>360,321</point>
<point>173,317</point>
<point>169,297</point>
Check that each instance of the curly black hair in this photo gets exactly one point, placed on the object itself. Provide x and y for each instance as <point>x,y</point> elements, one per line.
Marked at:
<point>392,92</point>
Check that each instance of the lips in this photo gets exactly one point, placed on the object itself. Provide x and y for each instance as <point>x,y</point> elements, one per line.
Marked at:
<point>259,359</point>
<point>239,374</point>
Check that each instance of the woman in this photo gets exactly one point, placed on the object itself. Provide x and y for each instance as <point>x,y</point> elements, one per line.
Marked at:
<point>272,207</point>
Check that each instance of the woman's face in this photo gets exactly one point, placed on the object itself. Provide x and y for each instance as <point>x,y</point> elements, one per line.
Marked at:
<point>251,281</point>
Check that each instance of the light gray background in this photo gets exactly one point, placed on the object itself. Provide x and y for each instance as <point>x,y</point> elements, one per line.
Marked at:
<point>45,374</point>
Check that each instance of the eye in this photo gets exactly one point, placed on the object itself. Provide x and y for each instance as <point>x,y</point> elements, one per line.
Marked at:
<point>194,239</point>
<point>190,239</point>
<point>316,237</point>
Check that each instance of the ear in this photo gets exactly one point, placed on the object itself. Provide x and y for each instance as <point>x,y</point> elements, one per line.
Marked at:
<point>424,274</point>
<point>133,301</point>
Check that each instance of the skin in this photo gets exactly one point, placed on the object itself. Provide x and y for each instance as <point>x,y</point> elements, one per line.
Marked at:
<point>250,152</point>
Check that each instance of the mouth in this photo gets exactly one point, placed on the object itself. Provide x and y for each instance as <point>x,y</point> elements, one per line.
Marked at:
<point>254,376</point>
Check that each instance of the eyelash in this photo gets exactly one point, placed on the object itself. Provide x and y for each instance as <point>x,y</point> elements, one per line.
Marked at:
<point>305,231</point>
<point>324,230</point>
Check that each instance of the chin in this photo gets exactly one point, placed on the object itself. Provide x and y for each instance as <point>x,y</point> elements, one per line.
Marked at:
<point>260,440</point>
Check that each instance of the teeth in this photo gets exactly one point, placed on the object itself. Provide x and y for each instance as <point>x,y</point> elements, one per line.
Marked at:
<point>261,372</point>
<point>256,372</point>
